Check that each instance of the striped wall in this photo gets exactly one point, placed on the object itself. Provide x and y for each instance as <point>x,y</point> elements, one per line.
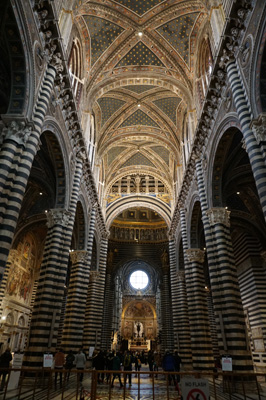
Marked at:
<point>107,314</point>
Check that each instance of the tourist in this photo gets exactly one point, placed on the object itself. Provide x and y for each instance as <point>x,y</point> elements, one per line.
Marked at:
<point>70,358</point>
<point>80,362</point>
<point>169,365</point>
<point>116,367</point>
<point>128,366</point>
<point>59,361</point>
<point>5,360</point>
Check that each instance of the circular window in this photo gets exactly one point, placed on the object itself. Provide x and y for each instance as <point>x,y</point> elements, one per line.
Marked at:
<point>139,280</point>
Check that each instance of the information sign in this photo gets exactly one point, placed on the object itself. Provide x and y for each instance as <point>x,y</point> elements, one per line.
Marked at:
<point>195,389</point>
<point>48,360</point>
<point>227,363</point>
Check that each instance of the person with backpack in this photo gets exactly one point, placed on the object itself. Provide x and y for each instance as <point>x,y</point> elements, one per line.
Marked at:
<point>128,366</point>
<point>116,367</point>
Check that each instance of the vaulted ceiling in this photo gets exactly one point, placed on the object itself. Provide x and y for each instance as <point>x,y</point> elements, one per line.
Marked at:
<point>141,58</point>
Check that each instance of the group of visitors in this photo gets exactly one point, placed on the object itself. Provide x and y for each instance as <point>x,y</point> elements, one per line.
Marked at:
<point>68,362</point>
<point>116,361</point>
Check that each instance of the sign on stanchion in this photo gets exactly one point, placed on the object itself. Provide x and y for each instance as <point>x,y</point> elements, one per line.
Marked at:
<point>48,360</point>
<point>227,363</point>
<point>195,389</point>
<point>14,375</point>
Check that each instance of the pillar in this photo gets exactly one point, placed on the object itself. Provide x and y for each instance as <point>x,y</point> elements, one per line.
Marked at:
<point>51,285</point>
<point>95,302</point>
<point>18,149</point>
<point>228,306</point>
<point>167,328</point>
<point>108,313</point>
<point>201,344</point>
<point>182,340</point>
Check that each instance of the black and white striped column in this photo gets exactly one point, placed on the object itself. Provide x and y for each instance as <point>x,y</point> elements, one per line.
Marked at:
<point>257,160</point>
<point>19,147</point>
<point>167,328</point>
<point>72,337</point>
<point>182,339</point>
<point>49,297</point>
<point>229,307</point>
<point>108,313</point>
<point>95,302</point>
<point>201,344</point>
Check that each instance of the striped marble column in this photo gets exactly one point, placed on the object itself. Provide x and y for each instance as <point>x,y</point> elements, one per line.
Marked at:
<point>49,297</point>
<point>167,328</point>
<point>182,339</point>
<point>108,313</point>
<point>19,147</point>
<point>77,292</point>
<point>229,307</point>
<point>201,344</point>
<point>95,301</point>
<point>76,302</point>
<point>256,155</point>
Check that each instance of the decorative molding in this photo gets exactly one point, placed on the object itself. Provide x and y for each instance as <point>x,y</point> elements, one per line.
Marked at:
<point>58,217</point>
<point>218,216</point>
<point>195,255</point>
<point>259,128</point>
<point>79,256</point>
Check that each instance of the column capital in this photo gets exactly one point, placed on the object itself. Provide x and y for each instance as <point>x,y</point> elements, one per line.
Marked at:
<point>78,256</point>
<point>218,216</point>
<point>58,216</point>
<point>18,131</point>
<point>94,275</point>
<point>180,275</point>
<point>195,255</point>
<point>259,127</point>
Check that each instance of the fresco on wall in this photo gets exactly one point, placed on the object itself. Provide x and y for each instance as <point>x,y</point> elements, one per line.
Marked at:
<point>20,279</point>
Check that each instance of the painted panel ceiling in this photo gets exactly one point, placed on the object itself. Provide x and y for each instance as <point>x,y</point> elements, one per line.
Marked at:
<point>109,106</point>
<point>139,7</point>
<point>169,106</point>
<point>177,33</point>
<point>138,159</point>
<point>113,153</point>
<point>162,152</point>
<point>102,33</point>
<point>140,55</point>
<point>139,88</point>
<point>139,118</point>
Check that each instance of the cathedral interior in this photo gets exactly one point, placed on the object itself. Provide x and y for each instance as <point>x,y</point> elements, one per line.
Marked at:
<point>133,178</point>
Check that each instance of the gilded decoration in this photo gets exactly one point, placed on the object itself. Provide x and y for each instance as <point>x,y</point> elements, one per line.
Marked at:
<point>138,159</point>
<point>139,7</point>
<point>139,89</point>
<point>169,107</point>
<point>109,106</point>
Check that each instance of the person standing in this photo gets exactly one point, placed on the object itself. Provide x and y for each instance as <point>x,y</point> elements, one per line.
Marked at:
<point>116,367</point>
<point>169,365</point>
<point>5,360</point>
<point>150,360</point>
<point>59,361</point>
<point>70,358</point>
<point>128,366</point>
<point>80,362</point>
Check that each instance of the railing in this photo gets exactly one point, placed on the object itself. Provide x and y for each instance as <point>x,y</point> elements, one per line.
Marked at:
<point>37,384</point>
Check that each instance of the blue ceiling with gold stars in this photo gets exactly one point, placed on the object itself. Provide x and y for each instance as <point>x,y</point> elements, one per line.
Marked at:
<point>139,88</point>
<point>138,159</point>
<point>114,153</point>
<point>139,118</point>
<point>168,106</point>
<point>109,106</point>
<point>102,34</point>
<point>162,152</point>
<point>177,33</point>
<point>139,7</point>
<point>140,55</point>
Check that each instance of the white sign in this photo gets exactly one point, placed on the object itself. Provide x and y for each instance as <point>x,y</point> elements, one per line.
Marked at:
<point>91,350</point>
<point>195,389</point>
<point>48,360</point>
<point>15,375</point>
<point>227,364</point>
